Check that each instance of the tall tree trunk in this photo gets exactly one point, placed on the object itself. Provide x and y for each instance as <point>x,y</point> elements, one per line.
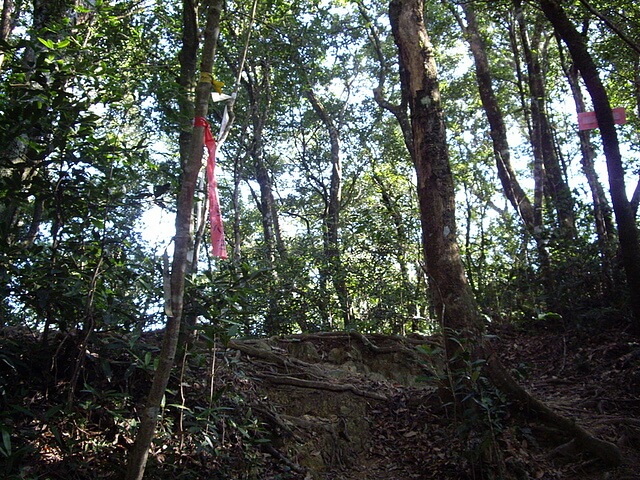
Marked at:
<point>259,93</point>
<point>332,223</point>
<point>7,19</point>
<point>188,57</point>
<point>450,291</point>
<point>635,200</point>
<point>401,240</point>
<point>7,22</point>
<point>529,213</point>
<point>183,242</point>
<point>625,217</point>
<point>257,83</point>
<point>399,111</point>
<point>523,93</point>
<point>602,213</point>
<point>238,167</point>
<point>542,139</point>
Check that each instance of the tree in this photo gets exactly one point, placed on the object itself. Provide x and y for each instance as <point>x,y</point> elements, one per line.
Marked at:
<point>529,212</point>
<point>625,215</point>
<point>453,298</point>
<point>602,213</point>
<point>329,229</point>
<point>22,160</point>
<point>334,206</point>
<point>183,243</point>
<point>71,175</point>
<point>7,23</point>
<point>541,135</point>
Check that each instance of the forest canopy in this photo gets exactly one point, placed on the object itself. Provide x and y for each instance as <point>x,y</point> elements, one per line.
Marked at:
<point>316,182</point>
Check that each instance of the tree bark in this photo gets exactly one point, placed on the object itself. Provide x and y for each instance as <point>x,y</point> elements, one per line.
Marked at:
<point>542,140</point>
<point>400,110</point>
<point>188,58</point>
<point>183,242</point>
<point>6,24</point>
<point>529,213</point>
<point>625,218</point>
<point>451,293</point>
<point>259,94</point>
<point>602,213</point>
<point>6,21</point>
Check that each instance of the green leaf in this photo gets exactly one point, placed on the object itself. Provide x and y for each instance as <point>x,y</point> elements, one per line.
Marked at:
<point>23,410</point>
<point>53,411</point>
<point>56,434</point>
<point>47,43</point>
<point>180,407</point>
<point>6,443</point>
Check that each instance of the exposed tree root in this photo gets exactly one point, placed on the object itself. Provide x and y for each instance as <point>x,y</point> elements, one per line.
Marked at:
<point>583,441</point>
<point>400,348</point>
<point>576,439</point>
<point>333,387</point>
<point>283,458</point>
<point>404,343</point>
<point>274,358</point>
<point>260,353</point>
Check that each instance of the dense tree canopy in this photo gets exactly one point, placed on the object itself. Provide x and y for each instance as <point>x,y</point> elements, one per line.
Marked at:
<point>91,117</point>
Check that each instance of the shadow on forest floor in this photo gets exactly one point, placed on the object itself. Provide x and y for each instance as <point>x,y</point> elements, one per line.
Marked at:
<point>323,406</point>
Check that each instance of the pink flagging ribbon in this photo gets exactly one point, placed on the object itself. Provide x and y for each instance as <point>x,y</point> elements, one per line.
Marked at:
<point>218,244</point>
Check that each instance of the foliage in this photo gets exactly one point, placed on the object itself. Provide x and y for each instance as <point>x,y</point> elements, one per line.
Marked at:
<point>93,91</point>
<point>39,436</point>
<point>90,117</point>
<point>71,182</point>
<point>481,411</point>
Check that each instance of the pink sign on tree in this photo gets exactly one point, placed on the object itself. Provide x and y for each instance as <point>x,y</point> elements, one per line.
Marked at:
<point>588,121</point>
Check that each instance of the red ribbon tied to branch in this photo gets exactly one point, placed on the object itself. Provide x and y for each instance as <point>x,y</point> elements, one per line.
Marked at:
<point>218,244</point>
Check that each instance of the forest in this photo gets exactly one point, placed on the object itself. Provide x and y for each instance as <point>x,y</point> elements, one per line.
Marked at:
<point>319,239</point>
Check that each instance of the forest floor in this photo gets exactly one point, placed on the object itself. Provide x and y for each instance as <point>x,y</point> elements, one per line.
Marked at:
<point>323,406</point>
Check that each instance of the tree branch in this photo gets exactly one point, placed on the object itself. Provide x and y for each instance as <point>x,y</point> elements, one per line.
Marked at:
<point>612,26</point>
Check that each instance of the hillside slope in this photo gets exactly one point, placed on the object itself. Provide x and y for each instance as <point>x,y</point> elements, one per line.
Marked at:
<point>323,406</point>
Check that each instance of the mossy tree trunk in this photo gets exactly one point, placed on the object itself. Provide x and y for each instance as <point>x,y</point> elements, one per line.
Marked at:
<point>450,289</point>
